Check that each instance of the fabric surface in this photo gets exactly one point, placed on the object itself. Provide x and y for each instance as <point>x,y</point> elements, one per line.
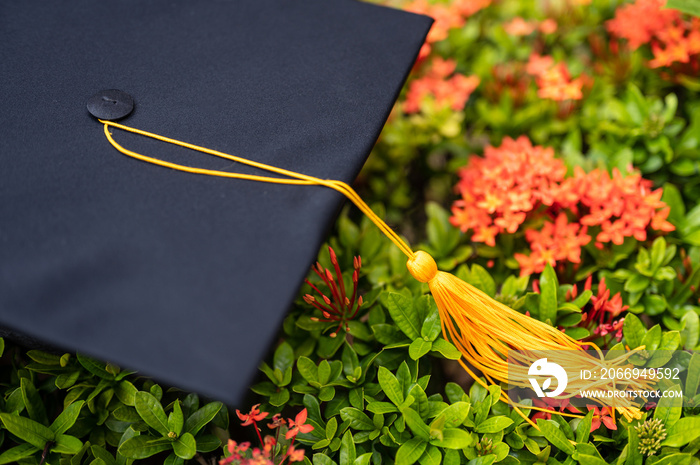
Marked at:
<point>184,278</point>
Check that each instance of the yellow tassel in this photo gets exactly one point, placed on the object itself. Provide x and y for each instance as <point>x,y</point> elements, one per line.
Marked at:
<point>483,329</point>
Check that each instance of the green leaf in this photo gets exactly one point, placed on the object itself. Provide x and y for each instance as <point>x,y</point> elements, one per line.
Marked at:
<point>141,447</point>
<point>420,404</point>
<point>150,411</point>
<point>44,358</point>
<point>451,457</point>
<point>410,451</point>
<point>682,432</point>
<point>126,392</point>
<point>431,456</point>
<point>633,455</point>
<point>633,330</point>
<point>65,444</point>
<point>585,459</point>
<point>482,280</point>
<point>2,346</point>
<point>185,446</point>
<point>652,338</point>
<point>207,443</point>
<point>67,418</point>
<point>363,459</point>
<point>431,326</point>
<point>418,348</point>
<point>446,349</point>
<point>283,358</point>
<point>637,283</point>
<point>493,424</point>
<point>32,402</point>
<point>668,409</point>
<point>322,459</point>
<point>348,453</point>
<point>172,459</point>
<point>555,436</point>
<point>357,419</point>
<point>307,369</point>
<point>675,459</point>
<point>381,407</point>
<point>692,380</point>
<point>28,430</point>
<point>690,334</point>
<point>401,309</point>
<point>548,295</point>
<point>670,341</point>
<point>176,419</point>
<point>201,417</point>
<point>102,454</point>
<point>687,6</point>
<point>416,423</point>
<point>14,454</point>
<point>456,413</point>
<point>390,385</point>
<point>453,438</point>
<point>95,367</point>
<point>583,430</point>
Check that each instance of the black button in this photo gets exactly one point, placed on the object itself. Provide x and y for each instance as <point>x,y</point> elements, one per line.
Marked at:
<point>110,104</point>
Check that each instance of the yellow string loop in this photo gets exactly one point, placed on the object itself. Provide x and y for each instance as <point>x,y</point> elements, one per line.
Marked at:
<point>298,178</point>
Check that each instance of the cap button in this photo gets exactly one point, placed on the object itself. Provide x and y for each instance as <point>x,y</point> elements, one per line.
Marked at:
<point>110,105</point>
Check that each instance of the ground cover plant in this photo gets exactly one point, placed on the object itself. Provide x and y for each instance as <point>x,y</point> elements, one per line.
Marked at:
<point>547,152</point>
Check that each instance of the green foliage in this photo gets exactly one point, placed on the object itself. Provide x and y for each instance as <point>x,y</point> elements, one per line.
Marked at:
<point>72,409</point>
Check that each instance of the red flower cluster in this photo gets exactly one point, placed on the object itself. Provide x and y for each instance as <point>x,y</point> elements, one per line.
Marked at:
<point>518,181</point>
<point>672,39</point>
<point>440,84</point>
<point>270,452</point>
<point>554,81</point>
<point>339,307</point>
<point>447,17</point>
<point>601,318</point>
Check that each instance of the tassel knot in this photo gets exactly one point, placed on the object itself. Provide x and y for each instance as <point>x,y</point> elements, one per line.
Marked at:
<point>422,266</point>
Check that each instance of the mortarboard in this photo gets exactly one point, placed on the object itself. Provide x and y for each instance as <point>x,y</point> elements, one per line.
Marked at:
<point>184,278</point>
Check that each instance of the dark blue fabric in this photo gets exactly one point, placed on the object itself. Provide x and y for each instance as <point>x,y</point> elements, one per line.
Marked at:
<point>185,278</point>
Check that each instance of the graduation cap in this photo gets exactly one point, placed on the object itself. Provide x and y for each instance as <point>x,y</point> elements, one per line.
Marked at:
<point>183,278</point>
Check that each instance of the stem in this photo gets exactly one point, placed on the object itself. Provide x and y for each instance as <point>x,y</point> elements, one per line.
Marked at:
<point>200,459</point>
<point>45,453</point>
<point>257,430</point>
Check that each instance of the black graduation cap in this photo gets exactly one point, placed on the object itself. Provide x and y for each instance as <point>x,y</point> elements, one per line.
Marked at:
<point>182,277</point>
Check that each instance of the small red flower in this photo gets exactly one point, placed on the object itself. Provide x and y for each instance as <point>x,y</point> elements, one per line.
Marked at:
<point>295,455</point>
<point>601,415</point>
<point>253,416</point>
<point>277,421</point>
<point>297,425</point>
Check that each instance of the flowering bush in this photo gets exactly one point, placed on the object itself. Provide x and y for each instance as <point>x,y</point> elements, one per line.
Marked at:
<point>545,152</point>
<point>518,184</point>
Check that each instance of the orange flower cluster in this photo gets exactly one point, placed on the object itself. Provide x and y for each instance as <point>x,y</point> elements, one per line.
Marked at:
<point>554,81</point>
<point>447,89</point>
<point>517,182</point>
<point>447,17</point>
<point>270,451</point>
<point>672,39</point>
<point>519,27</point>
